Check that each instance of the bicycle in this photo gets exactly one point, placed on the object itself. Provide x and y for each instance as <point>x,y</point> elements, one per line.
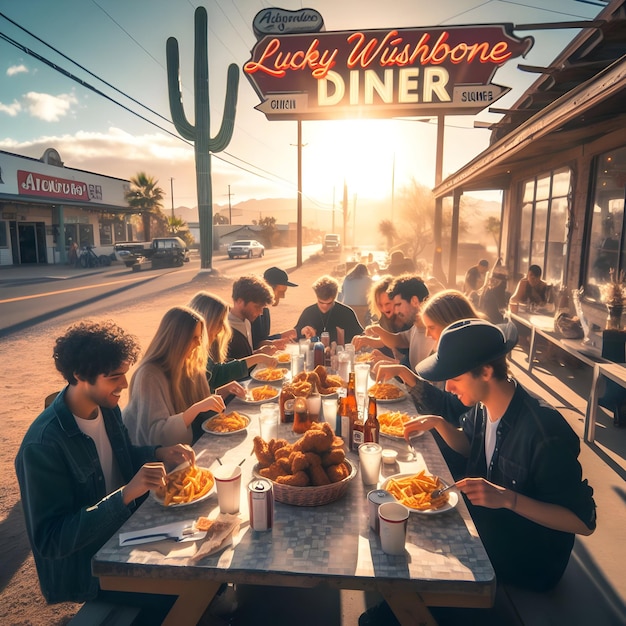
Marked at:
<point>88,258</point>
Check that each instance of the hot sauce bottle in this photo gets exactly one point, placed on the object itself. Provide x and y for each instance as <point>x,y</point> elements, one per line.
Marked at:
<point>285,402</point>
<point>301,421</point>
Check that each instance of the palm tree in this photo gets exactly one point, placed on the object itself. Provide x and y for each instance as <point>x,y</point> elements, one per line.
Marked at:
<point>176,224</point>
<point>148,198</point>
<point>387,229</point>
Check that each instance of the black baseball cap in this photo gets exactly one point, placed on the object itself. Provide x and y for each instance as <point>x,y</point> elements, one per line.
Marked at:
<point>465,345</point>
<point>275,276</point>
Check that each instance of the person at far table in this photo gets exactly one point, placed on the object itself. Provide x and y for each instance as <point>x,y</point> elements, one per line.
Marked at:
<point>279,281</point>
<point>523,484</point>
<point>326,315</point>
<point>531,289</point>
<point>80,476</point>
<point>475,277</point>
<point>355,290</point>
<point>222,374</point>
<point>251,295</point>
<point>169,392</point>
<point>408,293</point>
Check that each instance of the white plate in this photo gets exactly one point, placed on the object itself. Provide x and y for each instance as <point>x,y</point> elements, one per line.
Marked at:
<point>255,376</point>
<point>391,400</point>
<point>397,437</point>
<point>181,504</point>
<point>230,432</point>
<point>413,435</point>
<point>247,401</point>
<point>453,496</point>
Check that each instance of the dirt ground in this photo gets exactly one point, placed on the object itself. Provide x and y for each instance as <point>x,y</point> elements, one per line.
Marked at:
<point>29,376</point>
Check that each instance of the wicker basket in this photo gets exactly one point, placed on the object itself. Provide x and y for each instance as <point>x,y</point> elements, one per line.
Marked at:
<point>311,496</point>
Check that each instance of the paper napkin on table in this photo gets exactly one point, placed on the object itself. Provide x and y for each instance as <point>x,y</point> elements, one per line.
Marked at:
<point>150,535</point>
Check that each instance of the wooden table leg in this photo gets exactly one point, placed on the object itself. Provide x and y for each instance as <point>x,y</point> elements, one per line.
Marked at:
<point>409,609</point>
<point>592,407</point>
<point>194,596</point>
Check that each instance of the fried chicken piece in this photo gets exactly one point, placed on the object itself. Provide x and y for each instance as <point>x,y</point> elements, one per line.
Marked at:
<point>319,438</point>
<point>284,452</point>
<point>337,472</point>
<point>298,461</point>
<point>262,452</point>
<point>332,380</point>
<point>320,370</point>
<point>318,475</point>
<point>333,457</point>
<point>299,479</point>
<point>276,444</point>
<point>272,472</point>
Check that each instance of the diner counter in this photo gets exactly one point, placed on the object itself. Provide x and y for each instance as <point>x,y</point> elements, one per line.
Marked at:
<point>445,563</point>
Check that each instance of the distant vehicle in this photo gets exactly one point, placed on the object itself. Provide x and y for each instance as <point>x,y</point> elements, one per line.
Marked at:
<point>332,243</point>
<point>163,251</point>
<point>245,247</point>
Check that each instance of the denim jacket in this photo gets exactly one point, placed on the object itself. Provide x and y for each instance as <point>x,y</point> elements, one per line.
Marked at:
<point>68,513</point>
<point>536,454</point>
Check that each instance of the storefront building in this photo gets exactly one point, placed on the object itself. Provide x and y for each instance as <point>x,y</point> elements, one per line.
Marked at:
<point>45,207</point>
<point>559,157</point>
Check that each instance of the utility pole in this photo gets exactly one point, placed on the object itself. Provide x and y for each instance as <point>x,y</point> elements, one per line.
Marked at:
<point>300,145</point>
<point>172,194</point>
<point>393,183</point>
<point>230,208</point>
<point>332,230</point>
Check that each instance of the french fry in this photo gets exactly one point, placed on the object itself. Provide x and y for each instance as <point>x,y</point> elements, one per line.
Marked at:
<point>392,423</point>
<point>414,491</point>
<point>187,485</point>
<point>266,392</point>
<point>385,391</point>
<point>270,373</point>
<point>226,422</point>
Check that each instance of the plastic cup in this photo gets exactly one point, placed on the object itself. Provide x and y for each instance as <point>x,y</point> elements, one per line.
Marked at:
<point>370,458</point>
<point>393,519</point>
<point>228,484</point>
<point>330,412</point>
<point>268,421</point>
<point>297,364</point>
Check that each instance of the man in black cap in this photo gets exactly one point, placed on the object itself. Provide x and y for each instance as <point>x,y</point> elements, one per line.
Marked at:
<point>278,280</point>
<point>524,483</point>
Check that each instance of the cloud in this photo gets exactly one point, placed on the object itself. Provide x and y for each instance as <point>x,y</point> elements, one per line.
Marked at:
<point>47,107</point>
<point>11,109</point>
<point>17,69</point>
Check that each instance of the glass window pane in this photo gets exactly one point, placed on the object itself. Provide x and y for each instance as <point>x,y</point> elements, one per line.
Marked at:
<point>523,257</point>
<point>557,241</point>
<point>543,188</point>
<point>560,183</point>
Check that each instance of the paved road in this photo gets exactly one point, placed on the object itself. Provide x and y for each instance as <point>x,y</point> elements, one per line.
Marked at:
<point>29,296</point>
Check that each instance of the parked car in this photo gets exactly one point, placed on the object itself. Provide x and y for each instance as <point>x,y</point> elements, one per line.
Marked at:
<point>332,243</point>
<point>245,247</point>
<point>163,251</point>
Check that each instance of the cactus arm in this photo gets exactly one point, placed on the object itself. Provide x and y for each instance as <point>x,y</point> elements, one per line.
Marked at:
<point>223,137</point>
<point>175,94</point>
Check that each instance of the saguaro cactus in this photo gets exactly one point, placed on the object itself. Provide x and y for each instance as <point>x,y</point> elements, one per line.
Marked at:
<point>200,134</point>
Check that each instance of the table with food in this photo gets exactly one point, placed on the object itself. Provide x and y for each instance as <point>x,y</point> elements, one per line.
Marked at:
<point>316,516</point>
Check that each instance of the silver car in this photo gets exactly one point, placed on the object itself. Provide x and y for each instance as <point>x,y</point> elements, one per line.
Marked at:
<point>245,247</point>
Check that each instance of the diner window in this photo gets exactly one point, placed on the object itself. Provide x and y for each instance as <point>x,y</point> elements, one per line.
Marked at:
<point>543,224</point>
<point>606,230</point>
<point>106,233</point>
<point>3,234</point>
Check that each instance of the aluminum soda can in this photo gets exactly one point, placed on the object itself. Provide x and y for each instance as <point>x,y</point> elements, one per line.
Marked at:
<point>374,499</point>
<point>261,504</point>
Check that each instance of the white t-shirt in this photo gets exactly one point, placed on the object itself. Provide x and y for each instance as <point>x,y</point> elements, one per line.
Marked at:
<point>491,429</point>
<point>420,346</point>
<point>96,430</point>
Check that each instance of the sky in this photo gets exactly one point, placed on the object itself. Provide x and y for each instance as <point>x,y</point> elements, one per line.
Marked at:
<point>123,44</point>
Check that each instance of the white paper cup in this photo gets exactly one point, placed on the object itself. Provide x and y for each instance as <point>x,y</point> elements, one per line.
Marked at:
<point>228,484</point>
<point>370,458</point>
<point>297,364</point>
<point>330,412</point>
<point>268,421</point>
<point>393,519</point>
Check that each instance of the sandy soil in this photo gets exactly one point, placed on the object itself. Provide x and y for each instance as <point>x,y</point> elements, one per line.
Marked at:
<point>28,377</point>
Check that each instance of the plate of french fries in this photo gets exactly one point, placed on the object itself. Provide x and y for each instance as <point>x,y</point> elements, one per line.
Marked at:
<point>282,357</point>
<point>258,395</point>
<point>185,486</point>
<point>386,392</point>
<point>413,491</point>
<point>269,374</point>
<point>392,424</point>
<point>226,423</point>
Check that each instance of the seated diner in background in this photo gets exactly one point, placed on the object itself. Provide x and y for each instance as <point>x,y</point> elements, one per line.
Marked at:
<point>355,289</point>
<point>327,315</point>
<point>169,390</point>
<point>531,289</point>
<point>80,476</point>
<point>222,374</point>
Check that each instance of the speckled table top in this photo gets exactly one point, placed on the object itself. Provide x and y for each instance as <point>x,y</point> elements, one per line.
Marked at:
<point>331,544</point>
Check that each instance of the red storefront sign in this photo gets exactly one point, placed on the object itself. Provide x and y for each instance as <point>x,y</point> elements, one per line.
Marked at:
<point>34,184</point>
<point>381,73</point>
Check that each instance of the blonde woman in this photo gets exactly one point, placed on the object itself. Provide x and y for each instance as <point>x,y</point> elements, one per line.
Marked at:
<point>223,376</point>
<point>169,389</point>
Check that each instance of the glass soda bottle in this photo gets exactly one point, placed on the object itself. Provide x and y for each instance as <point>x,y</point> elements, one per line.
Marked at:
<point>371,427</point>
<point>301,422</point>
<point>352,413</point>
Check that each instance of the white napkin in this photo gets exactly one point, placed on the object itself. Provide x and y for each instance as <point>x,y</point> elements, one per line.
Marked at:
<point>136,537</point>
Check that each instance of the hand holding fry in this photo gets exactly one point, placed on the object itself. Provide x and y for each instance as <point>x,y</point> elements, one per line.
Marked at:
<point>186,485</point>
<point>151,476</point>
<point>173,456</point>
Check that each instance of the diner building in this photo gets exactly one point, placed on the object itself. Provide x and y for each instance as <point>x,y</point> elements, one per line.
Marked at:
<point>558,156</point>
<point>45,207</point>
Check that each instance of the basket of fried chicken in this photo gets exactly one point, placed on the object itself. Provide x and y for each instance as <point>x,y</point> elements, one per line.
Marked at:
<point>310,472</point>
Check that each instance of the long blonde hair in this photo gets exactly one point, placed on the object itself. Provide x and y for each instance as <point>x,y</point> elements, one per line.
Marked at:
<point>168,351</point>
<point>447,307</point>
<point>215,313</point>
